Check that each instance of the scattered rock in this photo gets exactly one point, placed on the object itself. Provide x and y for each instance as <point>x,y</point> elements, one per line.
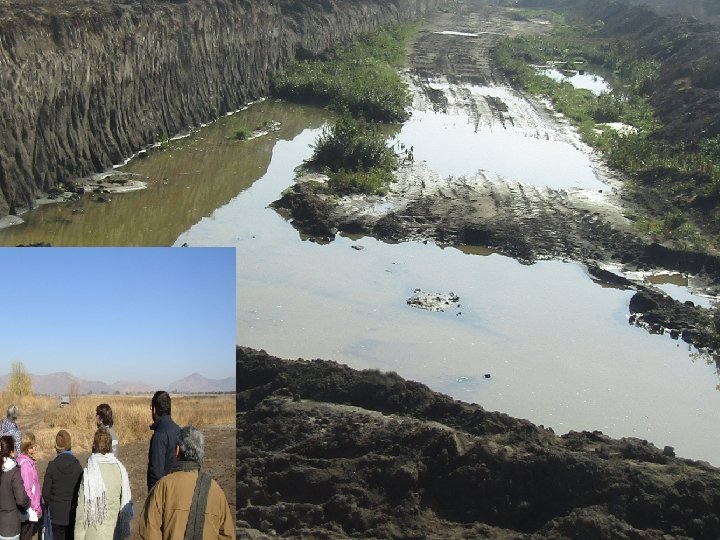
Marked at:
<point>432,301</point>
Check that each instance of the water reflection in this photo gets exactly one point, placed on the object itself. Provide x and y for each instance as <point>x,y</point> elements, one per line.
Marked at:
<point>495,131</point>
<point>557,346</point>
<point>587,81</point>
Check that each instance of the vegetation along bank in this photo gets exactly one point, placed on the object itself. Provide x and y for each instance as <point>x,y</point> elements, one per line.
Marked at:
<point>665,72</point>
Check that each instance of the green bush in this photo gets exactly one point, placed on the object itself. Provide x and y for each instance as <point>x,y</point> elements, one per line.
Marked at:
<point>674,220</point>
<point>355,156</point>
<point>353,146</point>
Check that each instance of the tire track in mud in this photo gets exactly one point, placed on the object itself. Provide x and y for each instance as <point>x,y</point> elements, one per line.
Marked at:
<point>519,220</point>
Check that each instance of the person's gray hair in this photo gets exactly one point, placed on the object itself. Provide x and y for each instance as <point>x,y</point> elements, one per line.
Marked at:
<point>12,412</point>
<point>192,444</point>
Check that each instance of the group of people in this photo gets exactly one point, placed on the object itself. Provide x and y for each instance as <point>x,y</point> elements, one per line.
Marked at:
<point>95,502</point>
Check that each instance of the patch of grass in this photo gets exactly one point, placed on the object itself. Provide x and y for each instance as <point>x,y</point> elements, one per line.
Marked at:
<point>163,141</point>
<point>242,133</point>
<point>675,225</point>
<point>361,78</point>
<point>374,182</point>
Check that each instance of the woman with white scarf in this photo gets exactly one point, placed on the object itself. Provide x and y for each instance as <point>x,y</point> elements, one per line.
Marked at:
<point>104,506</point>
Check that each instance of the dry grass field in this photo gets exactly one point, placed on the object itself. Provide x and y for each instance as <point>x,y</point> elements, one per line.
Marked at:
<point>44,417</point>
<point>213,415</point>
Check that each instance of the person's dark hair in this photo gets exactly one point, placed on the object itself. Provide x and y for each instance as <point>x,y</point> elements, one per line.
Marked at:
<point>7,445</point>
<point>105,413</point>
<point>192,444</point>
<point>63,441</point>
<point>102,442</point>
<point>161,403</point>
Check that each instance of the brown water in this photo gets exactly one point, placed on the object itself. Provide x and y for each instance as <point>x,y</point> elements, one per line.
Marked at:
<point>185,182</point>
<point>557,346</point>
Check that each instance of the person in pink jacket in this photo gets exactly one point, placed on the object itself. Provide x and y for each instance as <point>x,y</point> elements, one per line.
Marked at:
<point>28,472</point>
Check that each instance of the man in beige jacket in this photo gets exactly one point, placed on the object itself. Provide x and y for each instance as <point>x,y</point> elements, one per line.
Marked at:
<point>187,500</point>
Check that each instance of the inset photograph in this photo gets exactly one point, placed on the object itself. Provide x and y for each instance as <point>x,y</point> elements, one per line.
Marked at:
<point>118,389</point>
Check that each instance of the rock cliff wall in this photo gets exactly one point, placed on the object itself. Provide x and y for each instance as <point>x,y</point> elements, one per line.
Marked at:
<point>87,84</point>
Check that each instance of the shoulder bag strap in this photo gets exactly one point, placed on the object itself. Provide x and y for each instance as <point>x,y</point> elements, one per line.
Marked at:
<point>196,519</point>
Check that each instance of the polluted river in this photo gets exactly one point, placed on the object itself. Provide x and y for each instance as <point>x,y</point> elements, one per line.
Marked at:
<point>542,341</point>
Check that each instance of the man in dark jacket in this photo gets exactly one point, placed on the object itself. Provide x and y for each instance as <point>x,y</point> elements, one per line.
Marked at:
<point>161,455</point>
<point>60,487</point>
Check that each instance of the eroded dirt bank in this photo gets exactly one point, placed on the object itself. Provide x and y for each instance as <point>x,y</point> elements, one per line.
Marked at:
<point>325,451</point>
<point>87,84</point>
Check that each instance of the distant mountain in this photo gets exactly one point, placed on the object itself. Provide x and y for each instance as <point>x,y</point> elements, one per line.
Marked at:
<point>198,383</point>
<point>61,382</point>
<point>132,387</point>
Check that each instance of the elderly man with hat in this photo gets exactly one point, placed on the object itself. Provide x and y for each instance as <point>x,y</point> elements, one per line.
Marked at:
<point>60,487</point>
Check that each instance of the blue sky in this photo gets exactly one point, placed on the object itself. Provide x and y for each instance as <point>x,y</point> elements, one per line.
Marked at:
<point>148,314</point>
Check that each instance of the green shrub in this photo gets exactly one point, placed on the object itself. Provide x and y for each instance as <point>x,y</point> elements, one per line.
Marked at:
<point>674,220</point>
<point>355,156</point>
<point>353,146</point>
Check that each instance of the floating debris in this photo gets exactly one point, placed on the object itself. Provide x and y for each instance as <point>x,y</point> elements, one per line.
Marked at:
<point>431,300</point>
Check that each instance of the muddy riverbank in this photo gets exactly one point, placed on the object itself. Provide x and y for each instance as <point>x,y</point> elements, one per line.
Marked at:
<point>325,451</point>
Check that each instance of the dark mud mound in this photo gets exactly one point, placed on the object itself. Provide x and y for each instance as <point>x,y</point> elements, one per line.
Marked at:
<point>661,314</point>
<point>324,451</point>
<point>700,9</point>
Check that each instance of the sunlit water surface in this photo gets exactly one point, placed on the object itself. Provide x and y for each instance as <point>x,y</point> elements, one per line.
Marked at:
<point>557,346</point>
